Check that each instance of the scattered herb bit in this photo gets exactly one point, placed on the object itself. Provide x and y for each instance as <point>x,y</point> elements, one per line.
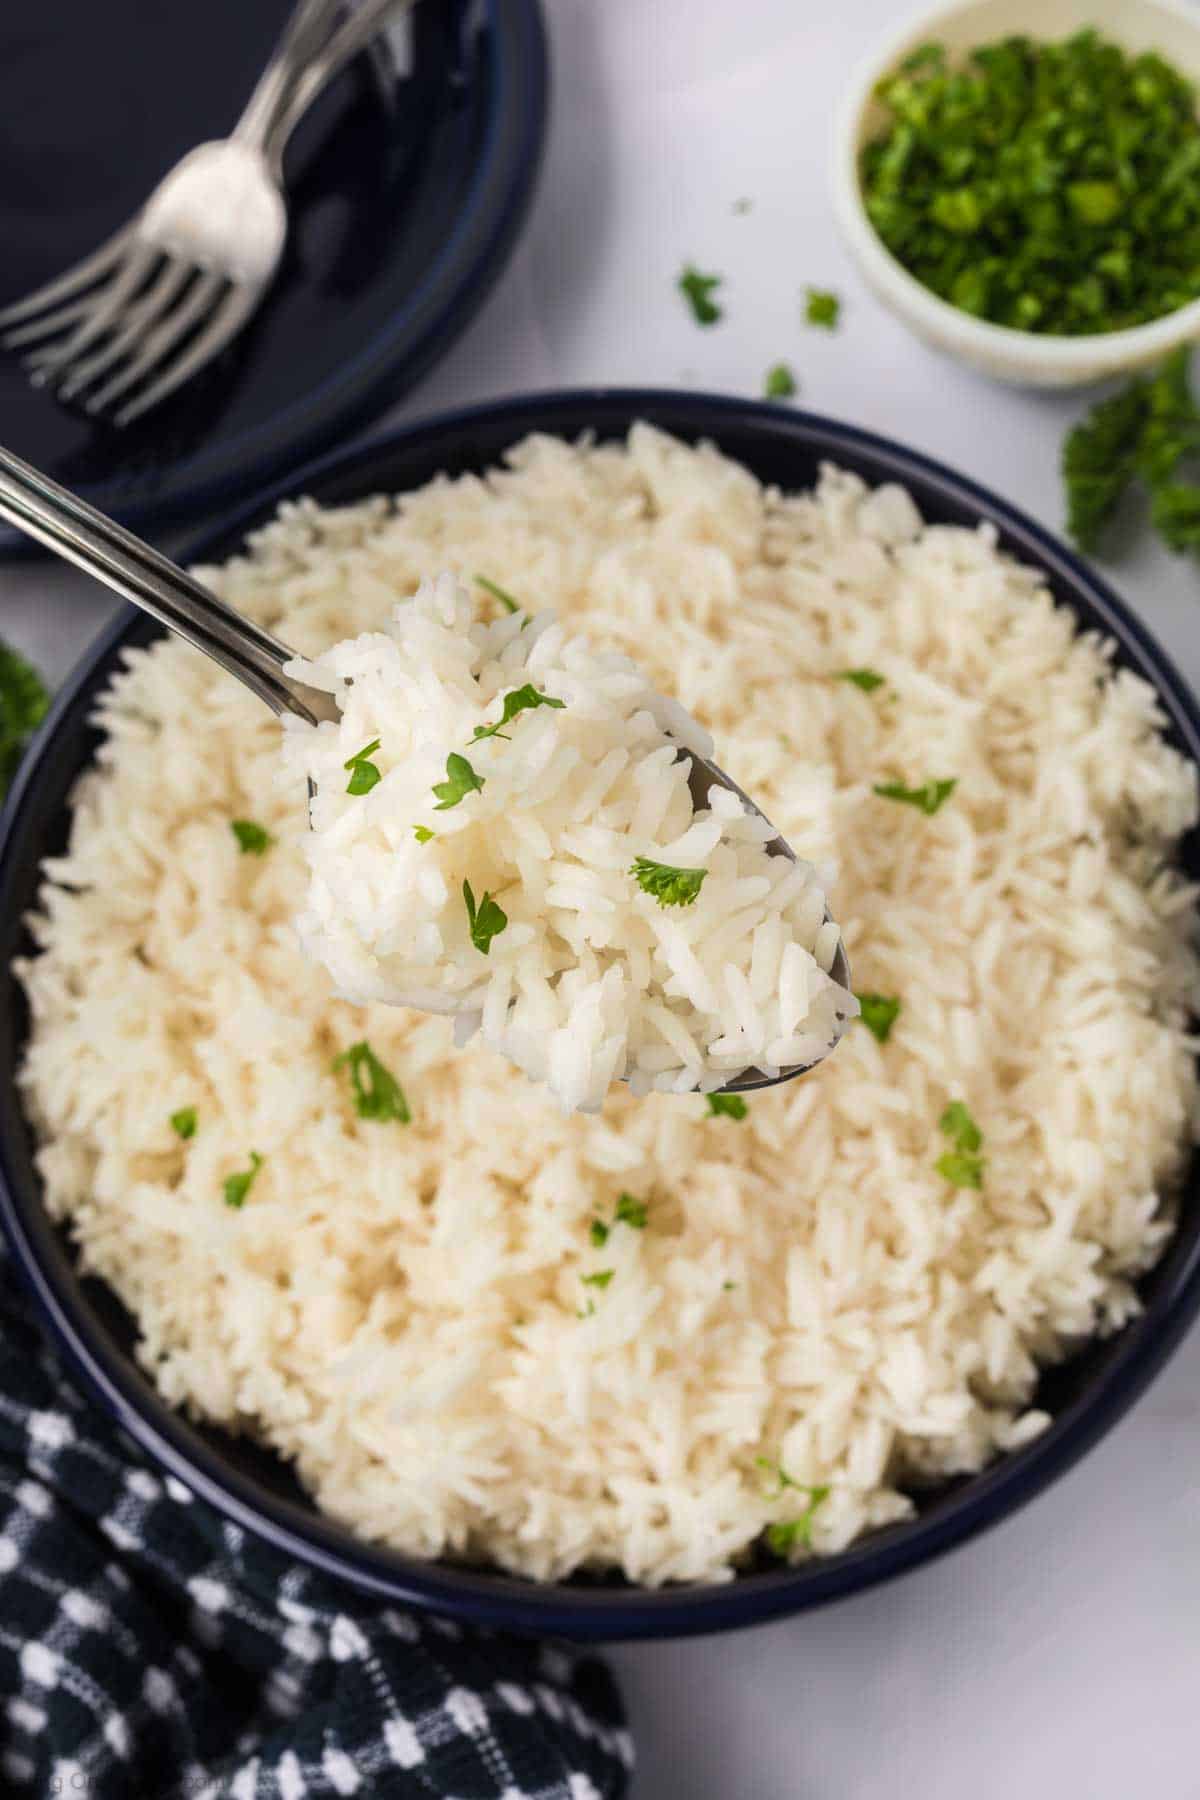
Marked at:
<point>776,1469</point>
<point>866,679</point>
<point>598,1233</point>
<point>589,1312</point>
<point>780,383</point>
<point>460,781</point>
<point>743,206</point>
<point>727,1287</point>
<point>928,797</point>
<point>239,1185</point>
<point>878,1013</point>
<point>23,703</point>
<point>1051,187</point>
<point>363,774</point>
<point>698,291</point>
<point>600,1279</point>
<point>823,308</point>
<point>253,840</point>
<point>183,1122</point>
<point>961,1166</point>
<point>423,834</point>
<point>377,1093</point>
<point>1148,432</point>
<point>786,1533</point>
<point>727,1106</point>
<point>522,699</point>
<point>486,923</point>
<point>670,887</point>
<point>631,1211</point>
<point>498,593</point>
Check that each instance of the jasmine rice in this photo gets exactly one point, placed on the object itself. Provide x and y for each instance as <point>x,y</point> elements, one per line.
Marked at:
<point>483,1328</point>
<point>550,883</point>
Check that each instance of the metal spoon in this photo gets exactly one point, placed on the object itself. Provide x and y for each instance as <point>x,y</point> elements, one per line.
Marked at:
<point>81,535</point>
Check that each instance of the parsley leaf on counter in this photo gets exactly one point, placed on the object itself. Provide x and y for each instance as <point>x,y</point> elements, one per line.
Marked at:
<point>670,887</point>
<point>1149,431</point>
<point>823,308</point>
<point>780,383</point>
<point>23,703</point>
<point>698,291</point>
<point>377,1093</point>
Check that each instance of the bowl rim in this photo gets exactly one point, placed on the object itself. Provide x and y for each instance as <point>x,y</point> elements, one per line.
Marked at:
<point>492,1598</point>
<point>1083,357</point>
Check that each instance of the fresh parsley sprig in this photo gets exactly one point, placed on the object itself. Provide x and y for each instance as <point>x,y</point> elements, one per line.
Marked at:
<point>377,1093</point>
<point>878,1013</point>
<point>522,699</point>
<point>727,1106</point>
<point>460,781</point>
<point>239,1185</point>
<point>670,887</point>
<point>364,774</point>
<point>485,921</point>
<point>253,840</point>
<point>928,798</point>
<point>962,1165</point>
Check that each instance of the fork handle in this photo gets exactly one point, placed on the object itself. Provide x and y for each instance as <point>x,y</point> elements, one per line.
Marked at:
<point>319,39</point>
<point>102,548</point>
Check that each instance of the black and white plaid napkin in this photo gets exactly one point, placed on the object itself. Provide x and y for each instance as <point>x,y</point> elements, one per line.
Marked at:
<point>150,1651</point>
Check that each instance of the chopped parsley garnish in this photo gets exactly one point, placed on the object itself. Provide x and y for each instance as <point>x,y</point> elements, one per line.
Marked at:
<point>823,308</point>
<point>239,1185</point>
<point>253,840</point>
<point>363,774</point>
<point>742,206</point>
<point>23,703</point>
<point>485,923</point>
<point>1148,432</point>
<point>698,291</point>
<point>598,1233</point>
<point>866,679</point>
<point>183,1122</point>
<point>522,699</point>
<point>670,887</point>
<point>498,593</point>
<point>928,797</point>
<point>727,1106</point>
<point>631,1211</point>
<point>787,1532</point>
<point>460,781</point>
<point>423,834</point>
<point>727,1287</point>
<point>878,1013</point>
<point>780,383</point>
<point>377,1093</point>
<point>962,1165</point>
<point>1046,186</point>
<point>600,1279</point>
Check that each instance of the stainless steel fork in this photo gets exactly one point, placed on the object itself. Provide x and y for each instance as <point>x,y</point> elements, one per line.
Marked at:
<point>148,309</point>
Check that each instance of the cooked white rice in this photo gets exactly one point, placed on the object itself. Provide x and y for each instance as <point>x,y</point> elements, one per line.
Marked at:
<point>403,1309</point>
<point>588,979</point>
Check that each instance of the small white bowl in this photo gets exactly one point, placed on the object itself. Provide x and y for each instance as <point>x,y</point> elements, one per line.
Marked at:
<point>1023,357</point>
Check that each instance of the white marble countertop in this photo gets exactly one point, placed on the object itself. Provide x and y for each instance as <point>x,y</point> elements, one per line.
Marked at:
<point>1059,1657</point>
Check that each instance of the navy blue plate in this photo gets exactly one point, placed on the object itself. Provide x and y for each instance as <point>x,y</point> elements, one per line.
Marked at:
<point>1086,1396</point>
<point>406,191</point>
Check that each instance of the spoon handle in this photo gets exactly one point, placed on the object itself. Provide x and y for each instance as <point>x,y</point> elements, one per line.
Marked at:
<point>81,535</point>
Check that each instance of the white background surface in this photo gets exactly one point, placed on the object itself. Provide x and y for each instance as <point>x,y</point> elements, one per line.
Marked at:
<point>1059,1657</point>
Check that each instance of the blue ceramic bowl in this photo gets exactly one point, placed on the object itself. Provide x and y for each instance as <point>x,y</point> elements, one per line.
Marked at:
<point>250,1485</point>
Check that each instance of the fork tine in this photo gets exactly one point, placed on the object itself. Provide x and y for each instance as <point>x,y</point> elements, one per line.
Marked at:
<point>46,365</point>
<point>163,341</point>
<point>84,274</point>
<point>139,319</point>
<point>225,324</point>
<point>46,324</point>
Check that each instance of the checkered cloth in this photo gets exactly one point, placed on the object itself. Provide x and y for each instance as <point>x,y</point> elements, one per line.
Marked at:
<point>149,1651</point>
